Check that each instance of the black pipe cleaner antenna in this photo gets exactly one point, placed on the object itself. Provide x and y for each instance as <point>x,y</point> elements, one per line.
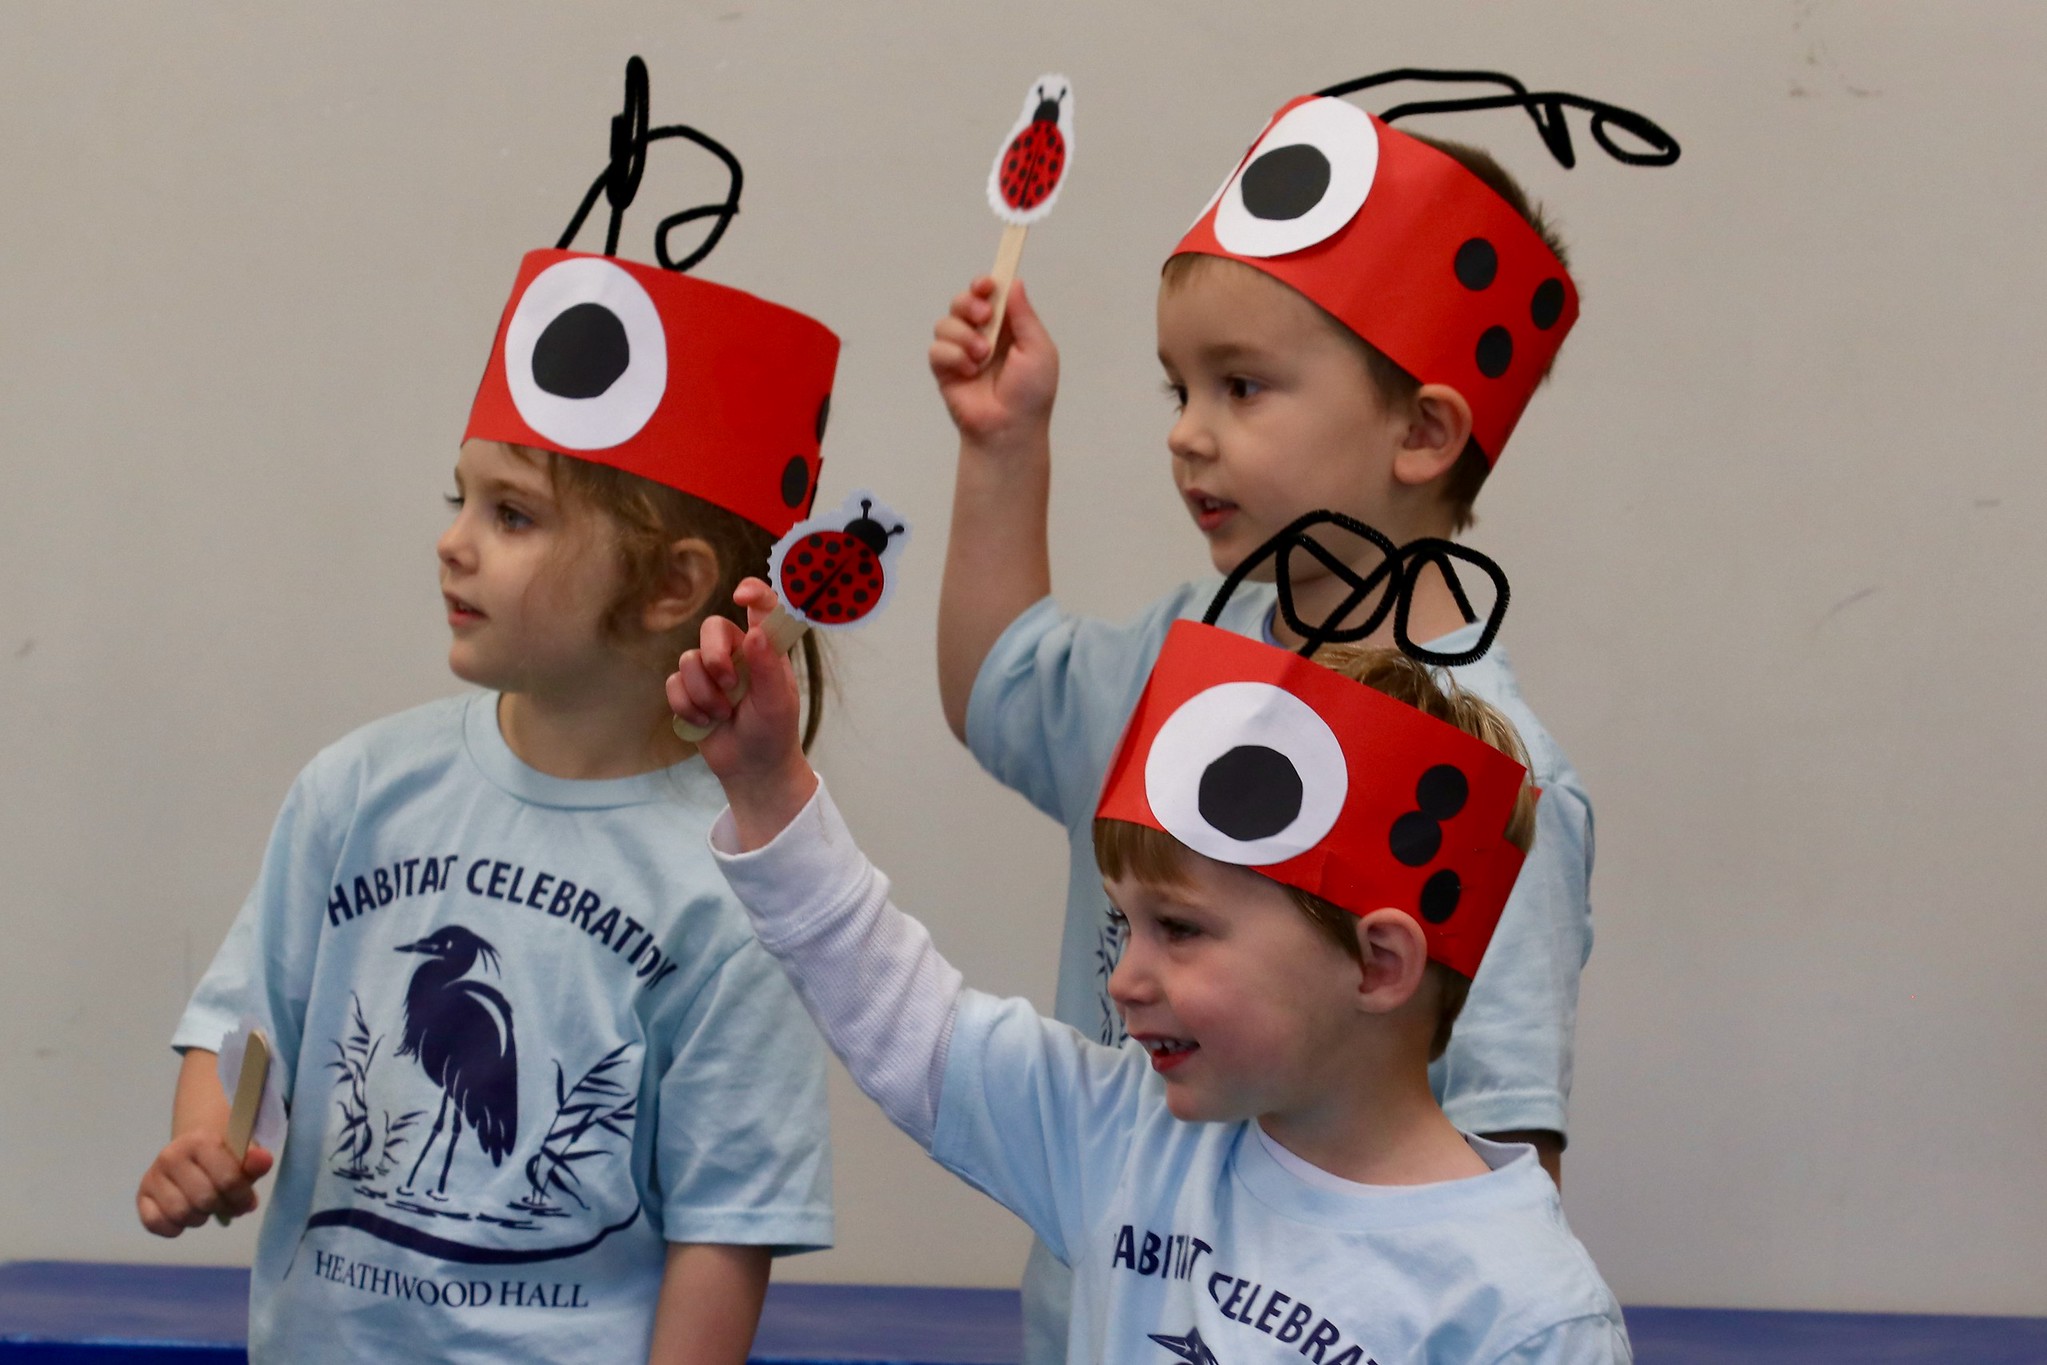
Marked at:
<point>1545,107</point>
<point>619,181</point>
<point>1392,581</point>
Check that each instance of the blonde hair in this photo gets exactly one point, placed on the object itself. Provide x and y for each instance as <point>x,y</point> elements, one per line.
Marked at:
<point>1394,385</point>
<point>1154,857</point>
<point>645,518</point>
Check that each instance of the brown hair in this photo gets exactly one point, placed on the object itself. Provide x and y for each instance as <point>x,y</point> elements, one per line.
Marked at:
<point>1152,856</point>
<point>1395,386</point>
<point>645,519</point>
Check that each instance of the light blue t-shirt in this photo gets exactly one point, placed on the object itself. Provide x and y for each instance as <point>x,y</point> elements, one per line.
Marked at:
<point>1195,1242</point>
<point>1047,711</point>
<point>526,1038</point>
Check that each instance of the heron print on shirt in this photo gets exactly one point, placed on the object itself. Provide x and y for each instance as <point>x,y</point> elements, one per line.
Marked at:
<point>436,1141</point>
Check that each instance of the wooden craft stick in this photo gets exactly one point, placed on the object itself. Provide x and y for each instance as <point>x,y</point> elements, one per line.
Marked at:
<point>784,631</point>
<point>1008,255</point>
<point>241,1120</point>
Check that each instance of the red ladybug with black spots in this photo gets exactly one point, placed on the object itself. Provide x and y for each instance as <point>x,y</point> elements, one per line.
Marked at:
<point>833,578</point>
<point>1035,157</point>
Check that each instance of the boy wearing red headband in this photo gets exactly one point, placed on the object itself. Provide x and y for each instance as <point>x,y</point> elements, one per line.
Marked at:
<point>1355,322</point>
<point>1304,869</point>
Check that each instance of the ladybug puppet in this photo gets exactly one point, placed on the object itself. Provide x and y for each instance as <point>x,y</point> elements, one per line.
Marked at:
<point>832,571</point>
<point>1032,163</point>
<point>1027,175</point>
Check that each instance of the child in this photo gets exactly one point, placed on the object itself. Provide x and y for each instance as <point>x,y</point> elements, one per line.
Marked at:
<point>1269,1178</point>
<point>1355,323</point>
<point>549,1099</point>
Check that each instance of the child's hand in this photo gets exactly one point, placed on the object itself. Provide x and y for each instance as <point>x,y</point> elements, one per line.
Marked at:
<point>754,749</point>
<point>999,392</point>
<point>196,1177</point>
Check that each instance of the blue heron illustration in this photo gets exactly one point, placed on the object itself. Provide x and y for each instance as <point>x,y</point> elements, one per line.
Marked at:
<point>461,1033</point>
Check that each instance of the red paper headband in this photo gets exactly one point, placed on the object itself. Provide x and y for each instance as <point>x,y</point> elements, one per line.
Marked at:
<point>1255,756</point>
<point>1259,757</point>
<point>1405,246</point>
<point>693,385</point>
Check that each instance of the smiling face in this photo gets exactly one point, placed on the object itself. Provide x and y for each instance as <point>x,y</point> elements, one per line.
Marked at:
<point>1247,1009</point>
<point>1278,413</point>
<point>526,580</point>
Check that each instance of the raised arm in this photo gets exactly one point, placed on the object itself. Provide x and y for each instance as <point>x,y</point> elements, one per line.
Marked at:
<point>1000,397</point>
<point>869,975</point>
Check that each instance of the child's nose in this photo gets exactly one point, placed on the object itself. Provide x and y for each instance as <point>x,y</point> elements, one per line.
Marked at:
<point>1131,982</point>
<point>453,548</point>
<point>1190,439</point>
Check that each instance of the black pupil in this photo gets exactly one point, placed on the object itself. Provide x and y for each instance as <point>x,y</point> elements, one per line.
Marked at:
<point>1251,792</point>
<point>582,352</point>
<point>1286,182</point>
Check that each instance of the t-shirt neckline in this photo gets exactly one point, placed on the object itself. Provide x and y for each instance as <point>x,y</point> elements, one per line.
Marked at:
<point>1325,1201</point>
<point>511,774</point>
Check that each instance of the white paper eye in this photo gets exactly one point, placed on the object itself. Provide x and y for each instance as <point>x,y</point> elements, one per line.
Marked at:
<point>586,359</point>
<point>1246,773</point>
<point>1305,179</point>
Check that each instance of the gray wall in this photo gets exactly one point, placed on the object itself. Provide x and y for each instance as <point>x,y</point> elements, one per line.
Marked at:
<point>1771,531</point>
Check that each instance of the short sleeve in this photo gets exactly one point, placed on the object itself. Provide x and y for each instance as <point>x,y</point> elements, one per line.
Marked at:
<point>1580,1341</point>
<point>743,1153</point>
<point>1508,1066</point>
<point>264,967</point>
<point>1035,1116</point>
<point>1051,699</point>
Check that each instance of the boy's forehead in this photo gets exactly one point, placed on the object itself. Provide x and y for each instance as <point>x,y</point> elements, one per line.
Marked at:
<point>1223,307</point>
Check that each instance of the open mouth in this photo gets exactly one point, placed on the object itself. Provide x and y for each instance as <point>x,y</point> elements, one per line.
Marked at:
<point>1167,1053</point>
<point>459,610</point>
<point>1209,512</point>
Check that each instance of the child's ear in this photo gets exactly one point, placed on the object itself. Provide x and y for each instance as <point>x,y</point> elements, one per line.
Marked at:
<point>1392,956</point>
<point>1437,431</point>
<point>689,576</point>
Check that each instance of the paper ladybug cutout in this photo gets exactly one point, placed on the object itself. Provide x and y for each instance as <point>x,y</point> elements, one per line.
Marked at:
<point>1255,756</point>
<point>1408,248</point>
<point>837,569</point>
<point>691,384</point>
<point>1029,170</point>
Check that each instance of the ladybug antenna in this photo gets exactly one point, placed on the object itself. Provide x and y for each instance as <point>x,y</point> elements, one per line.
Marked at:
<point>1392,580</point>
<point>619,181</point>
<point>1544,107</point>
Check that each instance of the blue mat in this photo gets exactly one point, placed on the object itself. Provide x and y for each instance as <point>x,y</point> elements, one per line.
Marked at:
<point>74,1313</point>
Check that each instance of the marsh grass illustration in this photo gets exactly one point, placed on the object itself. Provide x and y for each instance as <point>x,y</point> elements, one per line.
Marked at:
<point>594,1106</point>
<point>353,1059</point>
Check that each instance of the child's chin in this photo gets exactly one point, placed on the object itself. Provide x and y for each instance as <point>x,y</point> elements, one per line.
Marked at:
<point>466,666</point>
<point>1189,1106</point>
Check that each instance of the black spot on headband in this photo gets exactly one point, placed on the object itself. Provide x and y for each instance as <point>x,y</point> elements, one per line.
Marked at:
<point>1545,107</point>
<point>1391,582</point>
<point>619,181</point>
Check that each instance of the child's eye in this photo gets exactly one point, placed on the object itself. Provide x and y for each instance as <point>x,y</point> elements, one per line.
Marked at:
<point>1241,388</point>
<point>511,518</point>
<point>1176,392</point>
<point>454,501</point>
<point>1178,930</point>
<point>1119,927</point>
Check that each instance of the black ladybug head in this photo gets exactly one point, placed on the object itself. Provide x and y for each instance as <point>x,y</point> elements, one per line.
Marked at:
<point>868,531</point>
<point>1048,107</point>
